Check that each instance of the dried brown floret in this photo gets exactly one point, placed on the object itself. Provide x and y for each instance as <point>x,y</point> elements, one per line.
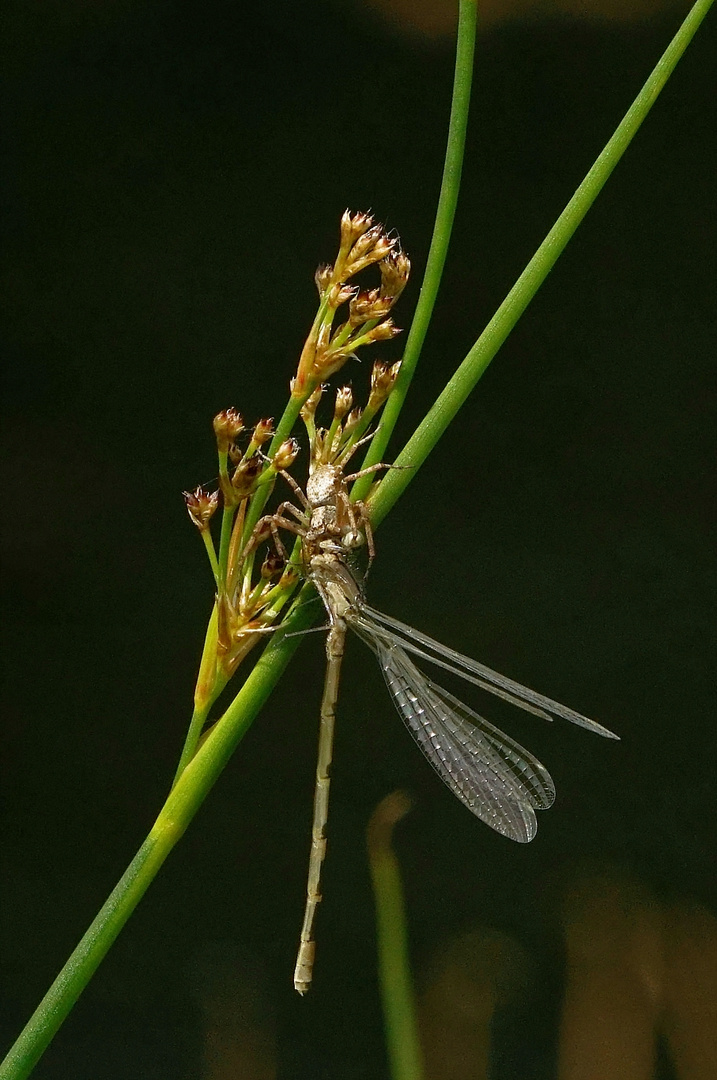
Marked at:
<point>201,506</point>
<point>344,402</point>
<point>227,425</point>
<point>245,476</point>
<point>286,455</point>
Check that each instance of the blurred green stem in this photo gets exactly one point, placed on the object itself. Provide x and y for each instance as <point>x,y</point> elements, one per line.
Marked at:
<point>455,393</point>
<point>394,968</point>
<point>442,228</point>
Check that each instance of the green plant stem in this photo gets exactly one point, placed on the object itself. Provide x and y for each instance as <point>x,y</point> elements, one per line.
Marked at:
<point>179,809</point>
<point>200,774</point>
<point>445,214</point>
<point>209,545</point>
<point>394,968</point>
<point>206,691</point>
<point>283,431</point>
<point>228,514</point>
<point>194,734</point>
<point>455,393</point>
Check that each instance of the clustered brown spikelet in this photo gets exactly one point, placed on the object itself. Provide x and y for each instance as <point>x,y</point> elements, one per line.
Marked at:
<point>327,348</point>
<point>248,601</point>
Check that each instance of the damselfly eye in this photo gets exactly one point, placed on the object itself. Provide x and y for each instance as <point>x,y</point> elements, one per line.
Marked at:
<point>353,539</point>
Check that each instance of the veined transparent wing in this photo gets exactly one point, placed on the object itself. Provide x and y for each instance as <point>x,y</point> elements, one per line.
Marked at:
<point>368,629</point>
<point>413,641</point>
<point>497,779</point>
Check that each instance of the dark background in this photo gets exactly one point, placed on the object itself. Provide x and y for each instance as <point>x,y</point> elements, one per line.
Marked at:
<point>176,174</point>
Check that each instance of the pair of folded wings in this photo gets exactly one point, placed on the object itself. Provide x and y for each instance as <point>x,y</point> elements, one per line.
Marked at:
<point>499,781</point>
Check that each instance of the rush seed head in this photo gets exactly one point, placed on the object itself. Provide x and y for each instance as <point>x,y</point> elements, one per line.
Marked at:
<point>384,331</point>
<point>327,348</point>
<point>370,248</point>
<point>367,306</point>
<point>383,379</point>
<point>263,431</point>
<point>344,402</point>
<point>351,421</point>
<point>245,476</point>
<point>201,506</point>
<point>340,294</point>
<point>354,226</point>
<point>323,277</point>
<point>308,409</point>
<point>228,424</point>
<point>395,270</point>
<point>286,455</point>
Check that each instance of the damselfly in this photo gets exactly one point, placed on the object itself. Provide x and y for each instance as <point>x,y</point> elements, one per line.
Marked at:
<point>500,781</point>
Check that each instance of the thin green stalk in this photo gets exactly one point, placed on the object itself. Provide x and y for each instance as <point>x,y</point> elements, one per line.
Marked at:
<point>394,967</point>
<point>194,734</point>
<point>228,514</point>
<point>209,545</point>
<point>283,431</point>
<point>445,213</point>
<point>185,799</point>
<point>455,393</point>
<point>206,691</point>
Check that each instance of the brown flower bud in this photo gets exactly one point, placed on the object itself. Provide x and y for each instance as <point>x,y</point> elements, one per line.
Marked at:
<point>369,305</point>
<point>351,421</point>
<point>353,226</point>
<point>344,401</point>
<point>395,270</point>
<point>262,432</point>
<point>383,378</point>
<point>323,276</point>
<point>370,248</point>
<point>289,577</point>
<point>385,331</point>
<point>286,455</point>
<point>340,294</point>
<point>310,406</point>
<point>201,505</point>
<point>227,425</point>
<point>366,242</point>
<point>245,476</point>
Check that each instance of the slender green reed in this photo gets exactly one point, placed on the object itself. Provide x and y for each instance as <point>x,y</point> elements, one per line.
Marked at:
<point>436,421</point>
<point>442,229</point>
<point>394,966</point>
